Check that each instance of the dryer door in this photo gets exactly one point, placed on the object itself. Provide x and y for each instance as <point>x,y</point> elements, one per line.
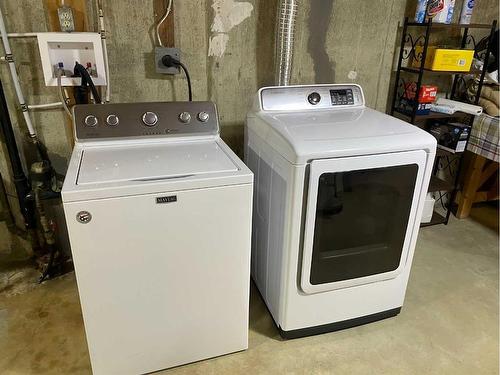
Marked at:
<point>359,219</point>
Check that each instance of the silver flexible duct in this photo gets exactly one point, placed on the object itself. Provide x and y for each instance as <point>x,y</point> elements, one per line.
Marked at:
<point>102,31</point>
<point>287,12</point>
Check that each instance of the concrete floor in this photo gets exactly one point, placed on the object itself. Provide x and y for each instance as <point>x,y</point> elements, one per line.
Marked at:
<point>449,324</point>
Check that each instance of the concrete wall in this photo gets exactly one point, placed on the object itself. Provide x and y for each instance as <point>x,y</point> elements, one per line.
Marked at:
<point>359,37</point>
<point>334,38</point>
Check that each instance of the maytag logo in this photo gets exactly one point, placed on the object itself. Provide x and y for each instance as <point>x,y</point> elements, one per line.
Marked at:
<point>169,199</point>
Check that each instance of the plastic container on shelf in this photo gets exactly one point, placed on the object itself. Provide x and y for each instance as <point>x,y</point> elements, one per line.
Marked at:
<point>440,11</point>
<point>466,13</point>
<point>420,12</point>
<point>428,208</point>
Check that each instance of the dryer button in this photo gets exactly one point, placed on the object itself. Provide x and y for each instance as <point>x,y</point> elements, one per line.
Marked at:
<point>314,98</point>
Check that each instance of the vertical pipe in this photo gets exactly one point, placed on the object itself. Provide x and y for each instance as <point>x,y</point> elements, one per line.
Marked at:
<point>21,183</point>
<point>287,12</point>
<point>7,210</point>
<point>15,78</point>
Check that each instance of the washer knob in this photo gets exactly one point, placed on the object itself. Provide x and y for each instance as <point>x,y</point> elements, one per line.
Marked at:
<point>314,98</point>
<point>203,116</point>
<point>91,121</point>
<point>112,120</point>
<point>149,118</point>
<point>185,117</point>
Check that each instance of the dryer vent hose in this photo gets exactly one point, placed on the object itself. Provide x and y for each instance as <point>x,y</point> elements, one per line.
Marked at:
<point>287,12</point>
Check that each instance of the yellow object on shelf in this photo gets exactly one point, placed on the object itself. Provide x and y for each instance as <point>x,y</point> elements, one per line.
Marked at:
<point>443,59</point>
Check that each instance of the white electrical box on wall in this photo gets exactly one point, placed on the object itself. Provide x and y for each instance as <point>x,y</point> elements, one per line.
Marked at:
<point>64,49</point>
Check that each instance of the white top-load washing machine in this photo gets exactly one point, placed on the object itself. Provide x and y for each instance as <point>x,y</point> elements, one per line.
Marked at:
<point>339,191</point>
<point>159,215</point>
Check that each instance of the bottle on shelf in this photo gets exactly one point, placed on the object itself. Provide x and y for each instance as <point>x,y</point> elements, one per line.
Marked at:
<point>466,13</point>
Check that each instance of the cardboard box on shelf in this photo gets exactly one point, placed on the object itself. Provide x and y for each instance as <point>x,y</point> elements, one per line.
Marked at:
<point>451,136</point>
<point>406,106</point>
<point>445,59</point>
<point>426,94</point>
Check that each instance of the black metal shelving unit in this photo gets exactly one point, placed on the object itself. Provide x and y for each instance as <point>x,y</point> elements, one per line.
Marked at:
<point>418,34</point>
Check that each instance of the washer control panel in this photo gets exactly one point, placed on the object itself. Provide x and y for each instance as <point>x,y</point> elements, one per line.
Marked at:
<point>127,120</point>
<point>313,97</point>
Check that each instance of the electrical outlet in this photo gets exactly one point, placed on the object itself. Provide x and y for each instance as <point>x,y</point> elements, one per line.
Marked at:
<point>66,20</point>
<point>162,51</point>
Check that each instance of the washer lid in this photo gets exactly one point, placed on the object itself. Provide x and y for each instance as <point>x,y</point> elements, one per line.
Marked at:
<point>151,162</point>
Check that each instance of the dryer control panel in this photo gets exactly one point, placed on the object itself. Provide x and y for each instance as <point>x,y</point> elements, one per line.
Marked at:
<point>145,120</point>
<point>313,97</point>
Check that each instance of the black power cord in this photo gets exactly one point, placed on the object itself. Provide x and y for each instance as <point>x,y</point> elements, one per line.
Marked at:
<point>80,71</point>
<point>170,61</point>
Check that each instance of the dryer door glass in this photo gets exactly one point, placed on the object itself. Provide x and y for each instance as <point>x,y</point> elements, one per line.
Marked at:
<point>360,222</point>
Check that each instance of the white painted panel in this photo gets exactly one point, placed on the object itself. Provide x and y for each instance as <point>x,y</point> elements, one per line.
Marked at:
<point>163,284</point>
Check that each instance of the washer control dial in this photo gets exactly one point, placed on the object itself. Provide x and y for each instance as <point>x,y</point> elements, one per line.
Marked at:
<point>314,98</point>
<point>185,117</point>
<point>149,118</point>
<point>203,116</point>
<point>90,121</point>
<point>112,120</point>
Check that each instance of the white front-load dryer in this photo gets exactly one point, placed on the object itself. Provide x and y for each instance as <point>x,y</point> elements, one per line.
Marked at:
<point>339,192</point>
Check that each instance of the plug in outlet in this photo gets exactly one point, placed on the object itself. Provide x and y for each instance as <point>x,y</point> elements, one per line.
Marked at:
<point>160,67</point>
<point>66,20</point>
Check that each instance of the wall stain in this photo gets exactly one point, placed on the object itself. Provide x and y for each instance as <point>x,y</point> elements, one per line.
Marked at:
<point>318,23</point>
<point>227,14</point>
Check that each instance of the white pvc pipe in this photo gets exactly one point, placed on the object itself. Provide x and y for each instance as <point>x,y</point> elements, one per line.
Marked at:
<point>22,35</point>
<point>15,77</point>
<point>45,105</point>
<point>61,96</point>
<point>104,51</point>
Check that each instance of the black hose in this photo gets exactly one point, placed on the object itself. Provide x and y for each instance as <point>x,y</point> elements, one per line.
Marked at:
<point>21,182</point>
<point>87,80</point>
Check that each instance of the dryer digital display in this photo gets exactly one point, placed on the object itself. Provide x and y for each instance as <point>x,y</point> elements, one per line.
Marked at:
<point>342,97</point>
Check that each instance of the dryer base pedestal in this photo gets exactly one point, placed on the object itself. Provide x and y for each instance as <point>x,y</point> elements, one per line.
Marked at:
<point>337,326</point>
